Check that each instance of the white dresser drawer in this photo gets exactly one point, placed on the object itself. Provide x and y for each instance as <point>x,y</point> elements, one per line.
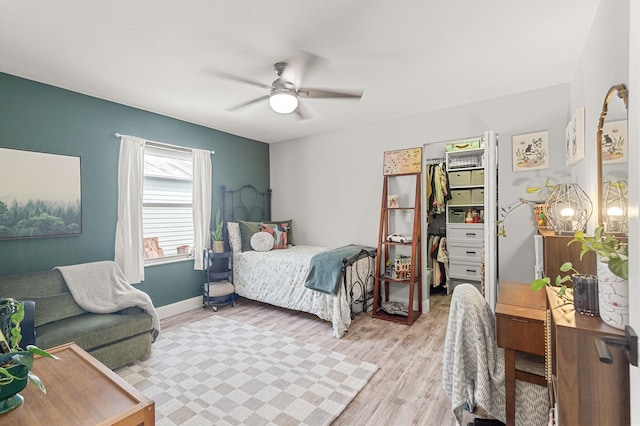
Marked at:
<point>465,232</point>
<point>464,252</point>
<point>464,270</point>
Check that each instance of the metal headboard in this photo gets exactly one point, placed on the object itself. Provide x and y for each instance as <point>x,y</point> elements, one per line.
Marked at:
<point>245,203</point>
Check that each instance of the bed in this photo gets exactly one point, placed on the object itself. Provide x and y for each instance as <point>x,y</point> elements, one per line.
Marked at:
<point>281,276</point>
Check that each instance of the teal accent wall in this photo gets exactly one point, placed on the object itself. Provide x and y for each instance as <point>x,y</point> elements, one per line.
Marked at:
<point>39,117</point>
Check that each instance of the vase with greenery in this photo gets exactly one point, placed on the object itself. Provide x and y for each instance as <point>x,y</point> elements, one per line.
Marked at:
<point>613,274</point>
<point>216,235</point>
<point>15,362</point>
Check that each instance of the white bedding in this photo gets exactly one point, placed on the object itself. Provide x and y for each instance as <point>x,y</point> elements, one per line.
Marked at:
<point>277,277</point>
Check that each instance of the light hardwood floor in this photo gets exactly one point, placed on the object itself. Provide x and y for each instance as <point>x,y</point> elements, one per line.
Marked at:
<point>406,390</point>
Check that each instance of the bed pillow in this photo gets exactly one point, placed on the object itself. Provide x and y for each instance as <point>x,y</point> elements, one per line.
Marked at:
<point>279,233</point>
<point>247,229</point>
<point>289,223</point>
<point>262,241</point>
<point>235,239</point>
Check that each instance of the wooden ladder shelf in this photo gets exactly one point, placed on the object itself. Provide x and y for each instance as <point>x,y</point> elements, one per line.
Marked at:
<point>396,276</point>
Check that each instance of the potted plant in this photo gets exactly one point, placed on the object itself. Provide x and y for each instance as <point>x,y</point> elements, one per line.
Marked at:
<point>15,362</point>
<point>216,235</point>
<point>613,274</point>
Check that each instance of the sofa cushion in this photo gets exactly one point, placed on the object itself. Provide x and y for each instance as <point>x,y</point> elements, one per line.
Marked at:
<point>124,352</point>
<point>48,289</point>
<point>91,331</point>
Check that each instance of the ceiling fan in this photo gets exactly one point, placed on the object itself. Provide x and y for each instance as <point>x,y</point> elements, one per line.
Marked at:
<point>285,92</point>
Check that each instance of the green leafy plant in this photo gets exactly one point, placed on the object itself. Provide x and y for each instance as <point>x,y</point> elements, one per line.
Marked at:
<point>611,251</point>
<point>216,234</point>
<point>505,211</point>
<point>14,354</point>
<point>559,286</point>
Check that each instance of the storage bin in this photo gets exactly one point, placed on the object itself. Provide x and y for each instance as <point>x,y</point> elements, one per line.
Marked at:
<point>460,197</point>
<point>477,177</point>
<point>464,144</point>
<point>460,178</point>
<point>477,196</point>
<point>456,216</point>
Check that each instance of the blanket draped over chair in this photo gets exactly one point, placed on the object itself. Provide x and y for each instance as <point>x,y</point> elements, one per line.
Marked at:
<point>325,269</point>
<point>102,288</point>
<point>473,364</point>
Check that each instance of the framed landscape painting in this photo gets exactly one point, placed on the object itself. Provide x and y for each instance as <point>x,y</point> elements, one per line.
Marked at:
<point>40,195</point>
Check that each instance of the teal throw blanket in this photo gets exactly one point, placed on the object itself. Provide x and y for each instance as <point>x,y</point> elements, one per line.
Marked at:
<point>325,269</point>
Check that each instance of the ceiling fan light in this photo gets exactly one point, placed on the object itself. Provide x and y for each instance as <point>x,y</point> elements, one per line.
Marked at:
<point>283,102</point>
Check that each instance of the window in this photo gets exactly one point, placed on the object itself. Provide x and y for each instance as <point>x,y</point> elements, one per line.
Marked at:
<point>167,204</point>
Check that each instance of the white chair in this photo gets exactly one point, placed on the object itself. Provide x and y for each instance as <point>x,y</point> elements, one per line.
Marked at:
<point>473,364</point>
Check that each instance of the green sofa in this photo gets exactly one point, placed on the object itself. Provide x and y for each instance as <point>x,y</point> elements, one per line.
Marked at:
<point>114,339</point>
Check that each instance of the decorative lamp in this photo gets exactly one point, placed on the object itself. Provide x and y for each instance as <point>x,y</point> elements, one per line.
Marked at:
<point>569,208</point>
<point>615,202</point>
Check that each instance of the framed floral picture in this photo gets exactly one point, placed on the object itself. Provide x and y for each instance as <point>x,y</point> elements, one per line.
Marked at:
<point>530,151</point>
<point>614,142</point>
<point>574,138</point>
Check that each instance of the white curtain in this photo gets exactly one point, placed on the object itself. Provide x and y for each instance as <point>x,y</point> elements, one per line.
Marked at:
<point>201,203</point>
<point>128,244</point>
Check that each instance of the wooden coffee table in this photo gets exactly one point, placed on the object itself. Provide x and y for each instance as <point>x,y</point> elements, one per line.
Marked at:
<point>80,391</point>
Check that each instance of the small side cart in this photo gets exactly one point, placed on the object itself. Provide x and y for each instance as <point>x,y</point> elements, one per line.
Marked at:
<point>218,289</point>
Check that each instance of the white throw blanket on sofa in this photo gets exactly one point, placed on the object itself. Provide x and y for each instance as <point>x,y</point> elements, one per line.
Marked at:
<point>101,287</point>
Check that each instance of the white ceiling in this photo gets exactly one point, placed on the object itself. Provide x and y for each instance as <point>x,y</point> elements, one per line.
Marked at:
<point>409,57</point>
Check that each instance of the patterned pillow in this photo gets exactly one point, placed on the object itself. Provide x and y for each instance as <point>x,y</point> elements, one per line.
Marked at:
<point>279,233</point>
<point>289,223</point>
<point>235,240</point>
<point>262,241</point>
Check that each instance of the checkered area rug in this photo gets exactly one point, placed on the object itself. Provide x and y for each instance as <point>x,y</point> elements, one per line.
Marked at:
<point>223,372</point>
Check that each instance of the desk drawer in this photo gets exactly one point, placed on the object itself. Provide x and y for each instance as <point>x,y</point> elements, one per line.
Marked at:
<point>521,334</point>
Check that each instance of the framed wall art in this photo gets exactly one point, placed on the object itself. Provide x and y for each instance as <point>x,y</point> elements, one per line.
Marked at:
<point>40,194</point>
<point>614,142</point>
<point>530,151</point>
<point>574,138</point>
<point>403,161</point>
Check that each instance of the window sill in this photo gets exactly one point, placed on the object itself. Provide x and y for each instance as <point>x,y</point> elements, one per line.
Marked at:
<point>162,261</point>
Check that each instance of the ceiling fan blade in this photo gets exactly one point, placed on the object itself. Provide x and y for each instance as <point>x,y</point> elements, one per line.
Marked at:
<point>298,66</point>
<point>308,92</point>
<point>235,78</point>
<point>303,111</point>
<point>248,103</point>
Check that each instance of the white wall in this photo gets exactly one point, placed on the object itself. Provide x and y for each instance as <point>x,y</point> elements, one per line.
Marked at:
<point>331,184</point>
<point>604,63</point>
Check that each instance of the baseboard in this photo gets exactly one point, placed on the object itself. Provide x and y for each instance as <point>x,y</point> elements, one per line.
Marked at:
<point>180,307</point>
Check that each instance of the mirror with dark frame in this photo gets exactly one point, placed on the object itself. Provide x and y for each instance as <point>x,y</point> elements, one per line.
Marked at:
<point>612,162</point>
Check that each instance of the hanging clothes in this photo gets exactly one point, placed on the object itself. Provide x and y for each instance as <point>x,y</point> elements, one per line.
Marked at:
<point>438,188</point>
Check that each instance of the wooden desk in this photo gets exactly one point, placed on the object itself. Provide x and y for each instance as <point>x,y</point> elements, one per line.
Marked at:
<point>520,318</point>
<point>80,391</point>
<point>587,390</point>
